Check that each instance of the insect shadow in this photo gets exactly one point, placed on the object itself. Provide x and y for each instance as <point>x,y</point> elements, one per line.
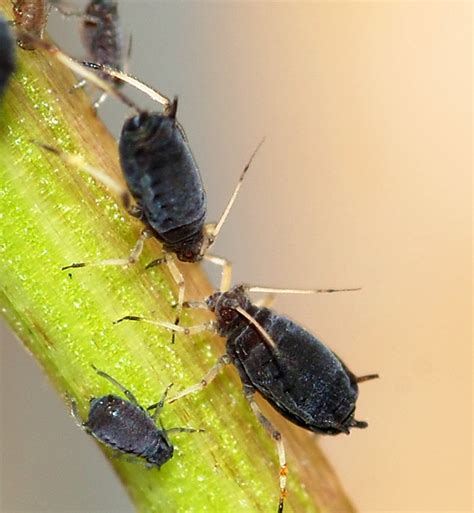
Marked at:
<point>128,428</point>
<point>290,368</point>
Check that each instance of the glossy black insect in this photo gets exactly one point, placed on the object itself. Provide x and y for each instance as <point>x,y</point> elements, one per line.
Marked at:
<point>7,54</point>
<point>295,372</point>
<point>127,427</point>
<point>30,16</point>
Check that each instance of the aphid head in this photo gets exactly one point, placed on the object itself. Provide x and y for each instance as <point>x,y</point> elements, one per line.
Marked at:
<point>148,128</point>
<point>191,250</point>
<point>161,452</point>
<point>225,304</point>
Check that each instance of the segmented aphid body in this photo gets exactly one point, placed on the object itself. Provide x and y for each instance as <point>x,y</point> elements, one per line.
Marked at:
<point>30,16</point>
<point>164,179</point>
<point>129,429</point>
<point>299,376</point>
<point>102,36</point>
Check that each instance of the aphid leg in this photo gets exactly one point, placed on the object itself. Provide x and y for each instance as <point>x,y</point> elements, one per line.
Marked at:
<point>185,330</point>
<point>75,414</point>
<point>78,85</point>
<point>130,260</point>
<point>249,393</point>
<point>196,304</point>
<point>208,378</point>
<point>99,101</point>
<point>184,430</point>
<point>114,382</point>
<point>367,377</point>
<point>178,278</point>
<point>79,163</point>
<point>159,405</point>
<point>226,273</point>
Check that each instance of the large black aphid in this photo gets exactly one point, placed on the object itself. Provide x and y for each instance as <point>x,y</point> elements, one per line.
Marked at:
<point>162,177</point>
<point>288,366</point>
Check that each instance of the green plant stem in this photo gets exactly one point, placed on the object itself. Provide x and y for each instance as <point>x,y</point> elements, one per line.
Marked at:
<point>52,215</point>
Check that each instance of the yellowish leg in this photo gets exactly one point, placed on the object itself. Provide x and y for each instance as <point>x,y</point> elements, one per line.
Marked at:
<point>249,393</point>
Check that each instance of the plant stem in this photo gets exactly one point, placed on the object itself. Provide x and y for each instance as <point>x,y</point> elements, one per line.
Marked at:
<point>51,216</point>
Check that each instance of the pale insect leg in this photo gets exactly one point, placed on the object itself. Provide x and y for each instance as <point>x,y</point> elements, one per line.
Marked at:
<point>75,414</point>
<point>184,330</point>
<point>226,273</point>
<point>159,405</point>
<point>115,187</point>
<point>130,260</point>
<point>126,392</point>
<point>204,382</point>
<point>249,393</point>
<point>184,430</point>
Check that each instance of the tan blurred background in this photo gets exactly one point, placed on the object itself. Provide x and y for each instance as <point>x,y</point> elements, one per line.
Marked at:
<point>364,179</point>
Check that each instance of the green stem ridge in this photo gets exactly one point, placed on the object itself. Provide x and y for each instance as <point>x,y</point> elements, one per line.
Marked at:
<point>52,215</point>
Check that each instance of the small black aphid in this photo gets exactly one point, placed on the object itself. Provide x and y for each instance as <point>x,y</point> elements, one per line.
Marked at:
<point>30,16</point>
<point>127,427</point>
<point>7,54</point>
<point>295,372</point>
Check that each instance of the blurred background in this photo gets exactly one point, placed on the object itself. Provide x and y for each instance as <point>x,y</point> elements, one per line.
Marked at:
<point>364,180</point>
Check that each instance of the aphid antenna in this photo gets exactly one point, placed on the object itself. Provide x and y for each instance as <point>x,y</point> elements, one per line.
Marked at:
<point>131,80</point>
<point>268,340</point>
<point>214,229</point>
<point>78,68</point>
<point>276,290</point>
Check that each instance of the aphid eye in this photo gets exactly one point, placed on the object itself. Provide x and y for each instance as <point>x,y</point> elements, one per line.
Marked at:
<point>135,123</point>
<point>227,314</point>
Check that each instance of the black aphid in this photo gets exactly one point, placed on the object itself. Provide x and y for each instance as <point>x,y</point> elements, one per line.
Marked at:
<point>7,54</point>
<point>102,38</point>
<point>127,427</point>
<point>30,16</point>
<point>295,372</point>
<point>162,177</point>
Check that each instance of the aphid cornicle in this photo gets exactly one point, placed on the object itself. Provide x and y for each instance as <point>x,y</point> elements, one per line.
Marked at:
<point>7,54</point>
<point>127,427</point>
<point>295,372</point>
<point>30,16</point>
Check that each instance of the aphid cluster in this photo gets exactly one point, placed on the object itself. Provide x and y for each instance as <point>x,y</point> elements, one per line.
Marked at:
<point>295,372</point>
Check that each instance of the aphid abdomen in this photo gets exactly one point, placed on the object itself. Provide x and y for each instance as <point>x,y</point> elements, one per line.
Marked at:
<point>163,176</point>
<point>101,35</point>
<point>7,54</point>
<point>121,425</point>
<point>303,379</point>
<point>30,16</point>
